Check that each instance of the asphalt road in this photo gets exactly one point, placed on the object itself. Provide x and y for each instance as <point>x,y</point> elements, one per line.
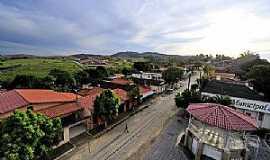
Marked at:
<point>165,147</point>
<point>143,127</point>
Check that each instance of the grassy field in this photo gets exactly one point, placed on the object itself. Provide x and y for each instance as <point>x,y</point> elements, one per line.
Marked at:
<point>39,67</point>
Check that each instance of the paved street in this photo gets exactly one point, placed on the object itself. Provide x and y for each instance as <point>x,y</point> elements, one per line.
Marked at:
<point>144,127</point>
<point>165,147</point>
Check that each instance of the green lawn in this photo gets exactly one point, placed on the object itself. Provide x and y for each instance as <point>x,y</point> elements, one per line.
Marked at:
<point>39,67</point>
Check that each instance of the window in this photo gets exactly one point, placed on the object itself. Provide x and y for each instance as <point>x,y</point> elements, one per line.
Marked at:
<point>260,118</point>
<point>247,113</point>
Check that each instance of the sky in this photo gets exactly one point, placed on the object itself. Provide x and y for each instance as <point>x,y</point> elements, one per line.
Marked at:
<point>183,27</point>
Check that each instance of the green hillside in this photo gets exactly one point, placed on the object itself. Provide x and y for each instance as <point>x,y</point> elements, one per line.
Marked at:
<point>39,67</point>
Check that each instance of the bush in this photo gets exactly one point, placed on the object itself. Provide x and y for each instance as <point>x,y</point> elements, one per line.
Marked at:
<point>187,97</point>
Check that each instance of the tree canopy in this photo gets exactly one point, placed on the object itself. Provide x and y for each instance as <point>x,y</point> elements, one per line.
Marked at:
<point>142,66</point>
<point>260,77</point>
<point>106,105</point>
<point>26,136</point>
<point>63,79</point>
<point>172,74</point>
<point>186,97</point>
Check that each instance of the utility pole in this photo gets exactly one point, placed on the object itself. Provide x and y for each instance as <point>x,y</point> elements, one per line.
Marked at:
<point>189,81</point>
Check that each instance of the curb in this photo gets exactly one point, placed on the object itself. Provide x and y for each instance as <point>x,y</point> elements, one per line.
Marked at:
<point>67,152</point>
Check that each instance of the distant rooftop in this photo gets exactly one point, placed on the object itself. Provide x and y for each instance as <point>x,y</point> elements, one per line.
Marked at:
<point>231,89</point>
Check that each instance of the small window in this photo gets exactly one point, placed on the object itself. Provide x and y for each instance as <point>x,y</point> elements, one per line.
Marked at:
<point>260,118</point>
<point>247,113</point>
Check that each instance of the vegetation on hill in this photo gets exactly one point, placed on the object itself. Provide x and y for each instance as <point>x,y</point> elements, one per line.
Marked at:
<point>38,67</point>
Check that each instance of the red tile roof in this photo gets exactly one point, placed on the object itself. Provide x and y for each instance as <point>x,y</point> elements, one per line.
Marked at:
<point>18,98</point>
<point>144,89</point>
<point>121,81</point>
<point>87,102</point>
<point>45,96</point>
<point>91,91</point>
<point>222,116</point>
<point>60,110</point>
<point>122,94</point>
<point>11,100</point>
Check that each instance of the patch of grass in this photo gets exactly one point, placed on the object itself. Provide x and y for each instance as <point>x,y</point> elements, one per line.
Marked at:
<point>39,67</point>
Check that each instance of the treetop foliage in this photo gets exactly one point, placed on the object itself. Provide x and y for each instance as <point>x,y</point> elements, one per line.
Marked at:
<point>26,136</point>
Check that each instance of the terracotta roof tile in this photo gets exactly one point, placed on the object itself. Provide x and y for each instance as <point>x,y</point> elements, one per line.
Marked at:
<point>17,98</point>
<point>87,102</point>
<point>45,96</point>
<point>222,116</point>
<point>10,101</point>
<point>122,94</point>
<point>121,81</point>
<point>60,110</point>
<point>144,89</point>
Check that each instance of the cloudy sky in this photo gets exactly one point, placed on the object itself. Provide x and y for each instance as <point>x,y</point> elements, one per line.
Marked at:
<point>47,27</point>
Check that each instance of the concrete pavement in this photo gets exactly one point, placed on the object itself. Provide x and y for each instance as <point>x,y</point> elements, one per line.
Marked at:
<point>144,127</point>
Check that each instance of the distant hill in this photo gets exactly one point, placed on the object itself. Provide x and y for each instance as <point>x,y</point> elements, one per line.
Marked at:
<point>84,56</point>
<point>151,55</point>
<point>18,56</point>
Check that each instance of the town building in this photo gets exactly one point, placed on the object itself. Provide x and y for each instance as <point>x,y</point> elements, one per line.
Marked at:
<point>153,80</point>
<point>115,83</point>
<point>53,104</point>
<point>224,74</point>
<point>145,92</point>
<point>217,132</point>
<point>243,97</point>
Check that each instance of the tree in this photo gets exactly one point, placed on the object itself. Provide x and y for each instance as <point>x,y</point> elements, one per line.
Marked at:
<point>134,95</point>
<point>106,106</point>
<point>97,74</point>
<point>102,72</point>
<point>187,97</point>
<point>246,53</point>
<point>224,100</point>
<point>126,71</point>
<point>246,67</point>
<point>194,87</point>
<point>142,66</point>
<point>172,75</point>
<point>26,136</point>
<point>260,78</point>
<point>63,79</point>
<point>25,81</point>
<point>81,77</point>
<point>207,69</point>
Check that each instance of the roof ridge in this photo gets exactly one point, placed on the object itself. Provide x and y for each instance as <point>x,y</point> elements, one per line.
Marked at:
<point>227,118</point>
<point>16,90</point>
<point>58,105</point>
<point>228,109</point>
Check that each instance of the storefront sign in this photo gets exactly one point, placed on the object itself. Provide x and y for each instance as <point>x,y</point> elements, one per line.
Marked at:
<point>242,103</point>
